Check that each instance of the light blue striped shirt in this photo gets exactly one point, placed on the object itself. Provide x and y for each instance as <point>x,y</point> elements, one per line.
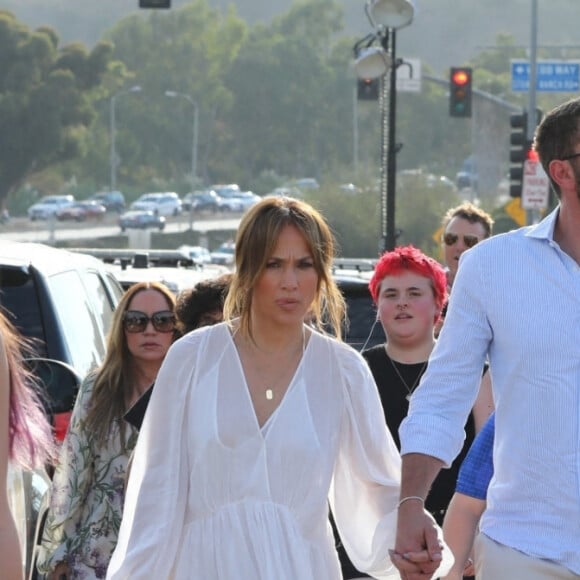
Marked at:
<point>516,299</point>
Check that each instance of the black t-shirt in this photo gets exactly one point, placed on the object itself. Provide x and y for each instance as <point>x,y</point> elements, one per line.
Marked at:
<point>393,395</point>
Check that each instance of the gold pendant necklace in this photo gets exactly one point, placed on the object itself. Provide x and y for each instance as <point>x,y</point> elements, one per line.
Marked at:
<point>410,389</point>
<point>269,390</point>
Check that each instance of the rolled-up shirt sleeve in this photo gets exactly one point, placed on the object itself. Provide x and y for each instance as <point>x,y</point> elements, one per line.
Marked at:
<point>440,405</point>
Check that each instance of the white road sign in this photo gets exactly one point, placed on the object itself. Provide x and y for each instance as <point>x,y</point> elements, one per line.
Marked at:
<point>409,76</point>
<point>536,186</point>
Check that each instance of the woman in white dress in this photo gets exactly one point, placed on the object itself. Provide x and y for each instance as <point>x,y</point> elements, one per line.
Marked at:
<point>257,424</point>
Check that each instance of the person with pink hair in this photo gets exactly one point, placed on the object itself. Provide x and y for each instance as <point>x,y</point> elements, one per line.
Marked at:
<point>25,436</point>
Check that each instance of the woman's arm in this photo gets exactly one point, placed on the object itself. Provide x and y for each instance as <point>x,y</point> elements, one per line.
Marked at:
<point>459,529</point>
<point>10,554</point>
<point>484,405</point>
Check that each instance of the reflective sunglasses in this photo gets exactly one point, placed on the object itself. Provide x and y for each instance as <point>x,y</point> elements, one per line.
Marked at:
<point>468,239</point>
<point>137,321</point>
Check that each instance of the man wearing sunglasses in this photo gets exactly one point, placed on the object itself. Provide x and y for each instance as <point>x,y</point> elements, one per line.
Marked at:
<point>463,227</point>
<point>516,300</point>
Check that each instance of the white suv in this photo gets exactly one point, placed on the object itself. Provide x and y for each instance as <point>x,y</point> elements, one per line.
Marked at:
<point>47,206</point>
<point>167,203</point>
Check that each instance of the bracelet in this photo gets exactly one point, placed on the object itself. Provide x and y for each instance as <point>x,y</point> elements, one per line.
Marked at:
<point>416,497</point>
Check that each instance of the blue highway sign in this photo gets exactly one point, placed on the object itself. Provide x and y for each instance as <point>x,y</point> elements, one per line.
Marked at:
<point>556,76</point>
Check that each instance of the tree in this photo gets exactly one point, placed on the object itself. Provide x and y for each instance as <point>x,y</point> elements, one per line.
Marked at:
<point>45,99</point>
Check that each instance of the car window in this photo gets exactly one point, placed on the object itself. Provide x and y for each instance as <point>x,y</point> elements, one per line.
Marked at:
<point>83,332</point>
<point>103,306</point>
<point>19,301</point>
<point>361,314</point>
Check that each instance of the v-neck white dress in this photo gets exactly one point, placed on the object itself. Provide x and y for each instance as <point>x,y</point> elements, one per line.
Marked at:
<point>212,496</point>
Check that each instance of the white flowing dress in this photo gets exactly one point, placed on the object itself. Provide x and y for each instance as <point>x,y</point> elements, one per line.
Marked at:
<point>214,496</point>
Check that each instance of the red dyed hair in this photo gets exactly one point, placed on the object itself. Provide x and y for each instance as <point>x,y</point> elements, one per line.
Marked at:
<point>410,258</point>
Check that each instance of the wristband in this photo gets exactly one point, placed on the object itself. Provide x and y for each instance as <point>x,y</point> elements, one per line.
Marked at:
<point>410,497</point>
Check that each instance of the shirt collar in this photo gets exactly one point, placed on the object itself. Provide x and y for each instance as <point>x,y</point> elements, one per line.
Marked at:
<point>545,229</point>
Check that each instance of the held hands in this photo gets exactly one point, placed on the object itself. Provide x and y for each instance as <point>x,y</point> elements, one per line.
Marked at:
<point>418,550</point>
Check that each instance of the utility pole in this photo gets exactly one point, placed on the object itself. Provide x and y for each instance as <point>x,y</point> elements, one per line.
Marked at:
<point>532,215</point>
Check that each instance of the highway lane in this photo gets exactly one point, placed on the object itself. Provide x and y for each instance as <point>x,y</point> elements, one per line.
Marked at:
<point>22,230</point>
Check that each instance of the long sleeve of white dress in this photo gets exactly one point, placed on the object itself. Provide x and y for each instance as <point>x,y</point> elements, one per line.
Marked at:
<point>367,475</point>
<point>214,495</point>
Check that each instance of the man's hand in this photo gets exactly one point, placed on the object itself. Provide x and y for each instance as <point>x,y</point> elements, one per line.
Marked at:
<point>417,553</point>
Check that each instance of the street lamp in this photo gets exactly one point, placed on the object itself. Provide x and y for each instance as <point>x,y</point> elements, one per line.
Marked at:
<point>112,130</point>
<point>195,133</point>
<point>386,16</point>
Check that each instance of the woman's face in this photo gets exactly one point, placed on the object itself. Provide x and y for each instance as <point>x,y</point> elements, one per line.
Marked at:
<point>150,345</point>
<point>406,307</point>
<point>460,231</point>
<point>287,287</point>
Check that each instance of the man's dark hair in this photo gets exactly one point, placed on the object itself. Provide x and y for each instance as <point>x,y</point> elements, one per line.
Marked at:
<point>206,297</point>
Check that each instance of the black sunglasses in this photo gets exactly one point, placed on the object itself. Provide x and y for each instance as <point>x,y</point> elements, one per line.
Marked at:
<point>468,239</point>
<point>137,321</point>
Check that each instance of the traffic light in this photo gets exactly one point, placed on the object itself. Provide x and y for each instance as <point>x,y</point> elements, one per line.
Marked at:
<point>368,89</point>
<point>154,3</point>
<point>519,147</point>
<point>460,90</point>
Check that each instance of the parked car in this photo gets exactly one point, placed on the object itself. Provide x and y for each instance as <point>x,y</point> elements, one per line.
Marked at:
<point>112,200</point>
<point>198,254</point>
<point>201,201</point>
<point>170,267</point>
<point>165,204</point>
<point>47,206</point>
<point>63,302</point>
<point>81,210</point>
<point>224,255</point>
<point>141,219</point>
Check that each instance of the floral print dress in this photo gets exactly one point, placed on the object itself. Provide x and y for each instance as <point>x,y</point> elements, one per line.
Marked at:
<point>86,502</point>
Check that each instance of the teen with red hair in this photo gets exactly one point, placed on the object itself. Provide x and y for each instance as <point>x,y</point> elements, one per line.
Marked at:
<point>409,290</point>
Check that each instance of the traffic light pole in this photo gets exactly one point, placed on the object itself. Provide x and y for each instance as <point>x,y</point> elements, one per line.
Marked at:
<point>391,235</point>
<point>532,215</point>
<point>388,102</point>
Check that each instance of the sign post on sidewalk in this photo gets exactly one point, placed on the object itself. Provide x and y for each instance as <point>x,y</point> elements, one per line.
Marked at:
<point>536,186</point>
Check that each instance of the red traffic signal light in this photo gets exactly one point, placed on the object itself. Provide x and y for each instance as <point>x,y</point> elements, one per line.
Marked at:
<point>368,89</point>
<point>460,91</point>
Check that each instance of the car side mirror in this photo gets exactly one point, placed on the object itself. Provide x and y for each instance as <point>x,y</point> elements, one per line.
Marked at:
<point>59,381</point>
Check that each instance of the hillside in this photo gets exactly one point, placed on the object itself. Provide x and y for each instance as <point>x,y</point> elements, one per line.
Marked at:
<point>444,32</point>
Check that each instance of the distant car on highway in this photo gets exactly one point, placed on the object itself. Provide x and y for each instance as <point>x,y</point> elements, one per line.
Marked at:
<point>201,201</point>
<point>248,199</point>
<point>81,210</point>
<point>112,200</point>
<point>167,203</point>
<point>229,197</point>
<point>224,255</point>
<point>141,219</point>
<point>48,206</point>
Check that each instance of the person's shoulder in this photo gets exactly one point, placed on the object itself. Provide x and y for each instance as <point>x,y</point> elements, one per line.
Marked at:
<point>374,352</point>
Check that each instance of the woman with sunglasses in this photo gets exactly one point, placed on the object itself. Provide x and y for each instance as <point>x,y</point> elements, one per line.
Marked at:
<point>87,491</point>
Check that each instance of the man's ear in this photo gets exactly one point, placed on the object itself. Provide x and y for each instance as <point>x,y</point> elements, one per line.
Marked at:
<point>561,172</point>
